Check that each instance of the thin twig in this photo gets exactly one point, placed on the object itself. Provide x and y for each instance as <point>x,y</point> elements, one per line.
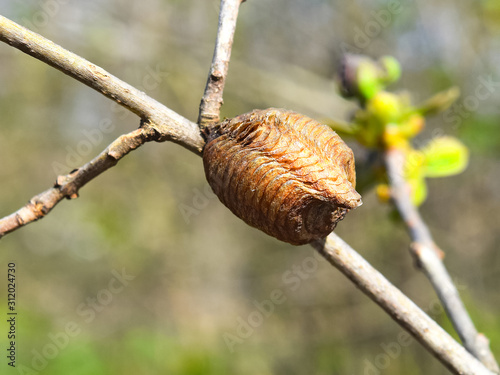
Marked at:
<point>427,255</point>
<point>398,306</point>
<point>159,123</point>
<point>212,98</point>
<point>170,125</point>
<point>69,185</point>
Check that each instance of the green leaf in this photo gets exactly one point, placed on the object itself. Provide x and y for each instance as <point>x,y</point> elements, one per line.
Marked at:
<point>414,176</point>
<point>368,79</point>
<point>385,106</point>
<point>445,156</point>
<point>340,126</point>
<point>392,69</point>
<point>418,191</point>
<point>439,102</point>
<point>415,160</point>
<point>362,77</point>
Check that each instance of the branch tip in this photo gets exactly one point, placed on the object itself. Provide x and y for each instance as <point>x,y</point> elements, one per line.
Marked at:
<point>428,257</point>
<point>211,101</point>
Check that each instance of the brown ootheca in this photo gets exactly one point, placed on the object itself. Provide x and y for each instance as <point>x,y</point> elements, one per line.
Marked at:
<point>281,172</point>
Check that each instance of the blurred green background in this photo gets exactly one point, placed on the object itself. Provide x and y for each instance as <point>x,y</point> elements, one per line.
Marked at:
<point>194,272</point>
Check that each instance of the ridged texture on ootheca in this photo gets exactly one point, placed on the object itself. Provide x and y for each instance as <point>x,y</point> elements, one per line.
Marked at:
<point>282,172</point>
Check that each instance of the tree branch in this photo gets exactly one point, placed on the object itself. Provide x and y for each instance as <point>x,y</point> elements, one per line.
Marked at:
<point>68,186</point>
<point>212,98</point>
<point>170,125</point>
<point>398,306</point>
<point>426,253</point>
<point>159,123</point>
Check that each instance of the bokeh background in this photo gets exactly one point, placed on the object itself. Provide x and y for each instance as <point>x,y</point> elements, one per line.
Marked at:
<point>193,272</point>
